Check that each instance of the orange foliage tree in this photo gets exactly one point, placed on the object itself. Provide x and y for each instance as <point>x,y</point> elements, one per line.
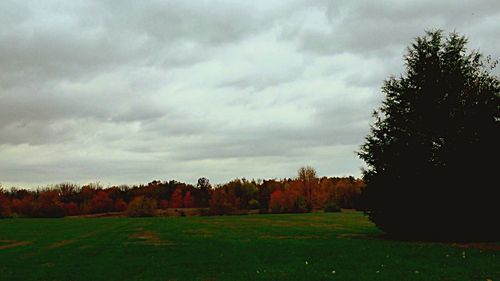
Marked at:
<point>141,206</point>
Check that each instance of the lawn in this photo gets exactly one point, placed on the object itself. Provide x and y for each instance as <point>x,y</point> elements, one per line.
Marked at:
<point>318,246</point>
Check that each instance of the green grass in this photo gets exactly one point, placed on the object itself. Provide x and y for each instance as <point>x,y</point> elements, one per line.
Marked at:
<point>319,246</point>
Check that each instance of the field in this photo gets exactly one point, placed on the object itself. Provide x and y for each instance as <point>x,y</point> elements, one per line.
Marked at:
<point>318,246</point>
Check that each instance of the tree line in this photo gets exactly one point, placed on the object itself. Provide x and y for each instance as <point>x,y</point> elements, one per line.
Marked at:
<point>305,193</point>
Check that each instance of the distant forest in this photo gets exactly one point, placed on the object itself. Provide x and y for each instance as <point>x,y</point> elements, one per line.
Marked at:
<point>305,193</point>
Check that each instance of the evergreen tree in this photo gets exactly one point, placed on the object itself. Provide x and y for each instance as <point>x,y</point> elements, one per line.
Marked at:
<point>432,153</point>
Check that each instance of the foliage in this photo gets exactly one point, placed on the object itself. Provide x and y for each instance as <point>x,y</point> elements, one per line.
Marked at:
<point>434,143</point>
<point>120,205</point>
<point>277,201</point>
<point>307,175</point>
<point>188,200</point>
<point>5,208</point>
<point>202,192</point>
<point>176,199</point>
<point>49,205</point>
<point>101,203</point>
<point>142,207</point>
<point>235,197</point>
<point>223,202</point>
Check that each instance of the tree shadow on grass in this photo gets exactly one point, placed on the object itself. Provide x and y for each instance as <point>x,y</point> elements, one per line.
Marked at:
<point>483,245</point>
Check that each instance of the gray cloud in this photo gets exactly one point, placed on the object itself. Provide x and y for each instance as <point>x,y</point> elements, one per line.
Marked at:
<point>129,92</point>
<point>384,28</point>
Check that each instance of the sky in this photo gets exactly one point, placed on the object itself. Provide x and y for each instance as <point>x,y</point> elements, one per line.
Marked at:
<point>126,92</point>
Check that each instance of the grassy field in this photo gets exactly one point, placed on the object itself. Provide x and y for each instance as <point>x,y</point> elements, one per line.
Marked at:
<point>319,246</point>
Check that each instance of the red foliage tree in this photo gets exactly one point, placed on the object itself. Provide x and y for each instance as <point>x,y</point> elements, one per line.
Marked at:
<point>24,207</point>
<point>49,205</point>
<point>176,199</point>
<point>163,204</point>
<point>120,205</point>
<point>277,201</point>
<point>71,209</point>
<point>188,201</point>
<point>5,207</point>
<point>101,203</point>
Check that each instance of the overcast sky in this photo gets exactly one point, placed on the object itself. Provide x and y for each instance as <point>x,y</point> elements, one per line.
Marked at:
<point>125,92</point>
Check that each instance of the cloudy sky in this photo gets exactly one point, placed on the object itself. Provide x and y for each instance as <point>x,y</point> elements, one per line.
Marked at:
<point>125,92</point>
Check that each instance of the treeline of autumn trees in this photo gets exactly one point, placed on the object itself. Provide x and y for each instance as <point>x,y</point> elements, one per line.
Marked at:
<point>305,193</point>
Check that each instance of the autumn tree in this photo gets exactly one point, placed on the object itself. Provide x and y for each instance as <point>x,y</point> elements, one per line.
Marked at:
<point>432,149</point>
<point>67,192</point>
<point>223,201</point>
<point>188,200</point>
<point>264,194</point>
<point>163,204</point>
<point>202,192</point>
<point>296,197</point>
<point>25,206</point>
<point>70,209</point>
<point>319,195</point>
<point>176,200</point>
<point>5,207</point>
<point>101,203</point>
<point>49,205</point>
<point>277,201</point>
<point>120,205</point>
<point>142,207</point>
<point>307,175</point>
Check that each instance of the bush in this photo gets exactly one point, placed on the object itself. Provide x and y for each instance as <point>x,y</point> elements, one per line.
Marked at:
<point>142,207</point>
<point>331,207</point>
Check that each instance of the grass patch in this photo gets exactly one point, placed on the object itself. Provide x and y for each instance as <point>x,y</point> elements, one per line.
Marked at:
<point>318,246</point>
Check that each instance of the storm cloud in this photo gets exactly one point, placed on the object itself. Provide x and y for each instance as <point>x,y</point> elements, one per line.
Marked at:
<point>128,92</point>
